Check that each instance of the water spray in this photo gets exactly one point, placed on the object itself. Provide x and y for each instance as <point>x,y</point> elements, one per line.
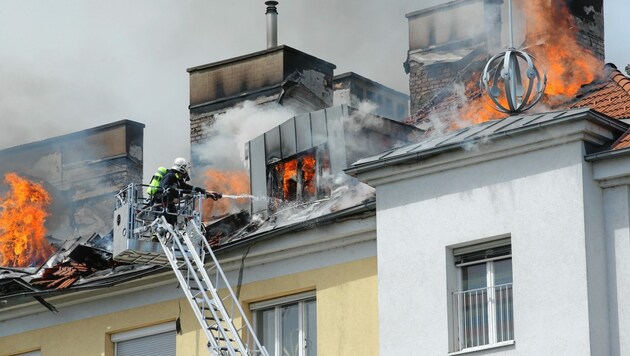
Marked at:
<point>247,196</point>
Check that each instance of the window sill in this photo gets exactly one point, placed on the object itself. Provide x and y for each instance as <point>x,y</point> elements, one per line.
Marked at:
<point>480,348</point>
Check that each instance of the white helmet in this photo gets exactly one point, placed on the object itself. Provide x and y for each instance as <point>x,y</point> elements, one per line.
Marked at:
<point>181,165</point>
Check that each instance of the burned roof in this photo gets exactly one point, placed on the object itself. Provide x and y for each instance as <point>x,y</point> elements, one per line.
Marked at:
<point>608,94</point>
<point>79,264</point>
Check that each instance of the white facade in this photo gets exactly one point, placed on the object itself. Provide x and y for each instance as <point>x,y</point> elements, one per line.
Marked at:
<point>569,228</point>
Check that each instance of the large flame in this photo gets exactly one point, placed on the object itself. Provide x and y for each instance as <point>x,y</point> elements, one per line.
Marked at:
<point>551,38</point>
<point>22,232</point>
<point>224,182</point>
<point>568,64</point>
<point>299,169</point>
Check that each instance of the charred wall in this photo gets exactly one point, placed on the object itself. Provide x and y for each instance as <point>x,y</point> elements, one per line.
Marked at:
<point>351,89</point>
<point>339,135</point>
<point>589,19</point>
<point>280,74</point>
<point>82,171</point>
<point>446,38</point>
<point>452,38</point>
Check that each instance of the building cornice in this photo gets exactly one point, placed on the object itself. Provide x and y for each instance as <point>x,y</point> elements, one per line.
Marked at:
<point>584,125</point>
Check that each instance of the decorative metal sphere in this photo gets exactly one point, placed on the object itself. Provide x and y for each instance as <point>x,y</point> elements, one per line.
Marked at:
<point>511,90</point>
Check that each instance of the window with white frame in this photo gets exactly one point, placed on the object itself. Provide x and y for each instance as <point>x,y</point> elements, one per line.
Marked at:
<point>482,305</point>
<point>287,326</point>
<point>156,340</point>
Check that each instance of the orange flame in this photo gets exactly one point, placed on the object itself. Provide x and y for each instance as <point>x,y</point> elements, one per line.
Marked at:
<point>552,38</point>
<point>289,177</point>
<point>22,231</point>
<point>568,64</point>
<point>225,182</point>
<point>289,171</point>
<point>308,168</point>
<point>479,110</point>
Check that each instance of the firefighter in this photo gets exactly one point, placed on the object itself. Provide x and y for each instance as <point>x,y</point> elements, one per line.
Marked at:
<point>174,183</point>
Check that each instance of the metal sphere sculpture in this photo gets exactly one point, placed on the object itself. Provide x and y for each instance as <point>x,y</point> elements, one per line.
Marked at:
<point>510,89</point>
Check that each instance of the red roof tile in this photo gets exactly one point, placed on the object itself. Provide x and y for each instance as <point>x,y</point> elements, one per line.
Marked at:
<point>611,97</point>
<point>623,141</point>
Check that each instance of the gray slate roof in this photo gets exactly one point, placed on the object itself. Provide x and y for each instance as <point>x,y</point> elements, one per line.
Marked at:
<point>472,134</point>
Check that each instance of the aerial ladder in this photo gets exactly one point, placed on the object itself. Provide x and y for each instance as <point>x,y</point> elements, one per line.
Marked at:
<point>143,235</point>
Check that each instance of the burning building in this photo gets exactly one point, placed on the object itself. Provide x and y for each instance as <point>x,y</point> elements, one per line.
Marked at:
<point>352,89</point>
<point>351,234</point>
<point>279,74</point>
<point>80,172</point>
<point>450,44</point>
<point>299,160</point>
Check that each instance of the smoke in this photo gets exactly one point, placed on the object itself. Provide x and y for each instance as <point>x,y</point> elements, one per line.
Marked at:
<point>225,147</point>
<point>220,161</point>
<point>362,118</point>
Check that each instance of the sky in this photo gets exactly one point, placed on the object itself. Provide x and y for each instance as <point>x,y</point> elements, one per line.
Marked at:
<point>69,65</point>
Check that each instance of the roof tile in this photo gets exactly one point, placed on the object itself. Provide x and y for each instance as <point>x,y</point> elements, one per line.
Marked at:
<point>622,142</point>
<point>612,98</point>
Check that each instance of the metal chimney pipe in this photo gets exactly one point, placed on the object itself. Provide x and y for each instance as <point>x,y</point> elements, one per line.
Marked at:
<point>272,24</point>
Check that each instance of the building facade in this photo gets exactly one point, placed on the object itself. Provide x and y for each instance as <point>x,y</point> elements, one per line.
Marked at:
<point>515,232</point>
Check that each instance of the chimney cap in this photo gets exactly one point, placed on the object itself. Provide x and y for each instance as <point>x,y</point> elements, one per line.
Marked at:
<point>271,6</point>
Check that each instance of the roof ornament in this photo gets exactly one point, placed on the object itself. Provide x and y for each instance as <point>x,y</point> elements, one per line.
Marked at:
<point>503,80</point>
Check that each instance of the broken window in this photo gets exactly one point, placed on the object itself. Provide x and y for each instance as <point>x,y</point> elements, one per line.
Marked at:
<point>301,177</point>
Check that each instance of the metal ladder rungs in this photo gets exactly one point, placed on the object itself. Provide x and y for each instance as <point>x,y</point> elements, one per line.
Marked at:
<point>213,319</point>
<point>223,348</point>
<point>200,284</point>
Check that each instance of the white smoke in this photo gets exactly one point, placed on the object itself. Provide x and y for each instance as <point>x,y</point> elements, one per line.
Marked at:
<point>227,135</point>
<point>444,121</point>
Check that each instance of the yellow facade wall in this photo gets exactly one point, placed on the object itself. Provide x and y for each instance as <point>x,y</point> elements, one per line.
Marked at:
<point>347,317</point>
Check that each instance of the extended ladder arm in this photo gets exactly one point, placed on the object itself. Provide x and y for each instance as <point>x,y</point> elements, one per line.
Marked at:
<point>185,249</point>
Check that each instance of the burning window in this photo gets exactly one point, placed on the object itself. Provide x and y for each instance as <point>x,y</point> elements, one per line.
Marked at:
<point>299,178</point>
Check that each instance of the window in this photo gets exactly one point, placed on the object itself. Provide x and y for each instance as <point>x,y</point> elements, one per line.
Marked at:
<point>32,353</point>
<point>482,304</point>
<point>287,326</point>
<point>402,110</point>
<point>157,340</point>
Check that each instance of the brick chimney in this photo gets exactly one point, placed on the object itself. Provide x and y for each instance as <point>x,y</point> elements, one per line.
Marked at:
<point>446,40</point>
<point>589,18</point>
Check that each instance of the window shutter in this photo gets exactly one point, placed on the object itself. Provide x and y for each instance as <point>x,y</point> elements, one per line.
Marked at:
<point>162,344</point>
<point>482,251</point>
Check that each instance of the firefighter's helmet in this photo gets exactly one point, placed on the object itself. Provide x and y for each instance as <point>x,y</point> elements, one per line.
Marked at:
<point>181,165</point>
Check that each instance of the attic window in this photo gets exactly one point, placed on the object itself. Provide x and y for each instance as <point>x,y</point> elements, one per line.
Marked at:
<point>300,177</point>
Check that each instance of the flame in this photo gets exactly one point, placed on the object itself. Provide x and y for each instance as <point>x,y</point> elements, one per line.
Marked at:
<point>289,177</point>
<point>225,182</point>
<point>289,171</point>
<point>552,39</point>
<point>479,109</point>
<point>308,168</point>
<point>22,231</point>
<point>567,63</point>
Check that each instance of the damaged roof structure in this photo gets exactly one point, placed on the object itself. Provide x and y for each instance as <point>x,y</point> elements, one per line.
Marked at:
<point>306,231</point>
<point>79,264</point>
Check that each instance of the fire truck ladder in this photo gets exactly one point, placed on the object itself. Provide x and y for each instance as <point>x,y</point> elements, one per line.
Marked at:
<point>186,249</point>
